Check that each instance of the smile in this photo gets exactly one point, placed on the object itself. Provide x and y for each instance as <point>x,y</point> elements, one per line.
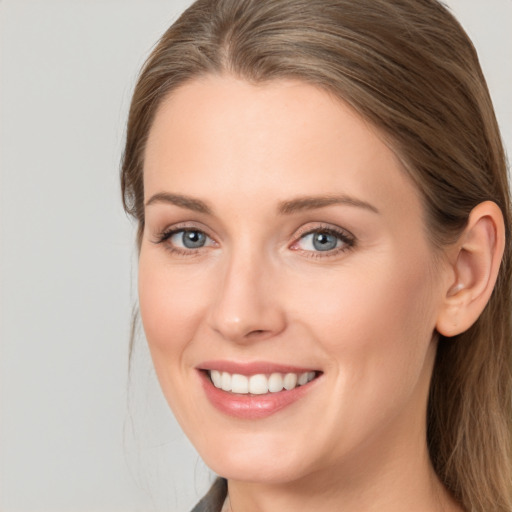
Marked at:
<point>256,390</point>
<point>260,383</point>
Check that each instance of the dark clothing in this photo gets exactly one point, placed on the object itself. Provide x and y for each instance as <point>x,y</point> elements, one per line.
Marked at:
<point>214,498</point>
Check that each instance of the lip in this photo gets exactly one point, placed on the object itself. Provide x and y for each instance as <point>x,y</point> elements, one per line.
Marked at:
<point>247,406</point>
<point>252,368</point>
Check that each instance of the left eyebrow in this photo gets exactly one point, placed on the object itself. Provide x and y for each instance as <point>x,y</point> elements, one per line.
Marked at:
<point>180,200</point>
<point>314,202</point>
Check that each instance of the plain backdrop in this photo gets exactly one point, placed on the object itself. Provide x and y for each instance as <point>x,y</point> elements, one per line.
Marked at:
<point>76,434</point>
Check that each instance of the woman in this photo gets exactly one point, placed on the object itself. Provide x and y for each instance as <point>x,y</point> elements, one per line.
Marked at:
<point>324,273</point>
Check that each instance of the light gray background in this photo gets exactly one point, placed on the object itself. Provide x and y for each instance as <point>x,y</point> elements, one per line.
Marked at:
<point>75,435</point>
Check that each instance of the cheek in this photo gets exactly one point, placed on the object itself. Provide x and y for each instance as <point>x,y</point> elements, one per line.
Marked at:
<point>170,307</point>
<point>375,323</point>
<point>171,311</point>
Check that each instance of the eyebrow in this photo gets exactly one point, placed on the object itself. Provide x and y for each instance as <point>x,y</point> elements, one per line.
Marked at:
<point>314,202</point>
<point>179,200</point>
<point>284,208</point>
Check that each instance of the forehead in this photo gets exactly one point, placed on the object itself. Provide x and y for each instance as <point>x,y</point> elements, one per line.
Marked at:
<point>219,137</point>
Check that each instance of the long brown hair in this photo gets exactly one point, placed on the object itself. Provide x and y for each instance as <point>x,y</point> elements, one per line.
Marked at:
<point>408,67</point>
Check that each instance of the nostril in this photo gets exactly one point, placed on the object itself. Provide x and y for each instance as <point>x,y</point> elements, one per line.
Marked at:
<point>256,332</point>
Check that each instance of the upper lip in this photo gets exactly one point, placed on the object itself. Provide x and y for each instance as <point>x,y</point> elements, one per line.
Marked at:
<point>253,368</point>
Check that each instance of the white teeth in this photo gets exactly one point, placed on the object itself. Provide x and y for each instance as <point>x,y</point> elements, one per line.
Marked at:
<point>226,381</point>
<point>303,378</point>
<point>259,384</point>
<point>240,384</point>
<point>290,381</point>
<point>275,383</point>
<point>216,378</point>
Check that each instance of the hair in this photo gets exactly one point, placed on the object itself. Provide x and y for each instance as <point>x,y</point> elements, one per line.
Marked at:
<point>407,67</point>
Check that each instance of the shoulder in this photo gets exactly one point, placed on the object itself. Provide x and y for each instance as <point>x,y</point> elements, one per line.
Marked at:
<point>214,498</point>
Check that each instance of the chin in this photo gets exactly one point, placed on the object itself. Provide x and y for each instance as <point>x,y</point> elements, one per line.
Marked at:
<point>255,461</point>
<point>269,471</point>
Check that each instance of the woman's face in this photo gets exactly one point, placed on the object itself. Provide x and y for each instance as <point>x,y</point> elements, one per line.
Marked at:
<point>283,242</point>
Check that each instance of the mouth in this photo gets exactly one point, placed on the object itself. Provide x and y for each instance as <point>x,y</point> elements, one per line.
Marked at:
<point>254,391</point>
<point>260,383</point>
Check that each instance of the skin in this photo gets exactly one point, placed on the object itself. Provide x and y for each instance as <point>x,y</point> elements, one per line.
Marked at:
<point>363,313</point>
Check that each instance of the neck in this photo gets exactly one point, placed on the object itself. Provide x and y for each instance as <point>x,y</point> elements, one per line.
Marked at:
<point>396,477</point>
<point>426,496</point>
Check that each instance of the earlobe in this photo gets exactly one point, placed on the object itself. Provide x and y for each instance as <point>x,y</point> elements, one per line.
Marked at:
<point>474,269</point>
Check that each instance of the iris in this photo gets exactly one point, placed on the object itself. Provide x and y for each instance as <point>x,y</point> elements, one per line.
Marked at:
<point>193,239</point>
<point>324,241</point>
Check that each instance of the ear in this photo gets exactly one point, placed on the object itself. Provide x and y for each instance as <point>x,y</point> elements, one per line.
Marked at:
<point>474,262</point>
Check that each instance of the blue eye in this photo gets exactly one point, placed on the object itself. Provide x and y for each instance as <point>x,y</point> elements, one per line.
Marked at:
<point>188,239</point>
<point>324,241</point>
<point>184,241</point>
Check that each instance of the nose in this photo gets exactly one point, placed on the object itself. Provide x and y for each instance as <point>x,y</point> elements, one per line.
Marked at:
<point>247,305</point>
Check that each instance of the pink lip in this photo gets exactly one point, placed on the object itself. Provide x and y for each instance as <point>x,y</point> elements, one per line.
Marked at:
<point>251,368</point>
<point>248,406</point>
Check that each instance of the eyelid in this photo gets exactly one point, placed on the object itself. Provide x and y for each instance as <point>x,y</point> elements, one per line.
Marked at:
<point>163,237</point>
<point>170,229</point>
<point>312,227</point>
<point>348,239</point>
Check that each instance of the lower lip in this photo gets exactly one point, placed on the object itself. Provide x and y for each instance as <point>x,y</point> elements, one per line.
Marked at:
<point>252,407</point>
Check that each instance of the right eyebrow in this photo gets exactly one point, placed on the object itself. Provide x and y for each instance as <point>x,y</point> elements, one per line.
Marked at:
<point>314,202</point>
<point>180,200</point>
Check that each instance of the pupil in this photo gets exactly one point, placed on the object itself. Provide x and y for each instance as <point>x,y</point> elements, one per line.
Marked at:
<point>193,239</point>
<point>324,241</point>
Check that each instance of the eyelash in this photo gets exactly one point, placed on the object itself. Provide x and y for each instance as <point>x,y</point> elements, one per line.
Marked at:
<point>347,239</point>
<point>163,237</point>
